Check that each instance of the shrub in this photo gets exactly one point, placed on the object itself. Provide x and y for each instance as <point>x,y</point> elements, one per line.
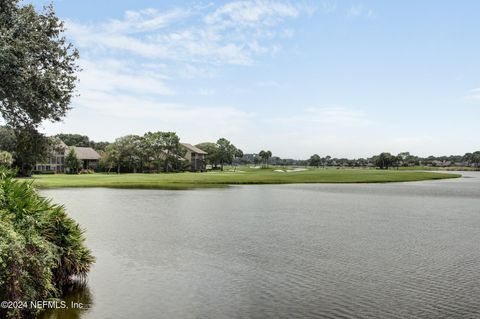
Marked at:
<point>43,172</point>
<point>42,250</point>
<point>6,159</point>
<point>87,171</point>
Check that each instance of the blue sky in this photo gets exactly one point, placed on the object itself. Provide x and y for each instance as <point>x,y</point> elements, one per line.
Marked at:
<point>339,78</point>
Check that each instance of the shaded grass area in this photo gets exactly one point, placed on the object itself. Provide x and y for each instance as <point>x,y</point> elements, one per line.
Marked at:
<point>242,175</point>
<point>439,168</point>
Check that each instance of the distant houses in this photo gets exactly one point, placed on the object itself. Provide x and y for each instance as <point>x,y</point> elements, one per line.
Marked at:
<point>90,159</point>
<point>56,163</point>
<point>195,156</point>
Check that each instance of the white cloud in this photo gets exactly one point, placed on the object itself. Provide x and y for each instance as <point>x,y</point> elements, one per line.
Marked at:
<point>145,20</point>
<point>268,84</point>
<point>113,76</point>
<point>251,14</point>
<point>336,116</point>
<point>234,33</point>
<point>123,114</point>
<point>360,11</point>
<point>206,92</point>
<point>473,94</point>
<point>412,141</point>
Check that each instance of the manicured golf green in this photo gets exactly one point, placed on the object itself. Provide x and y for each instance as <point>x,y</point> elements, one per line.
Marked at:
<point>242,175</point>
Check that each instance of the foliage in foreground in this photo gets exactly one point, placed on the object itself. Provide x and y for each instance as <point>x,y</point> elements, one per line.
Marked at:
<point>42,250</point>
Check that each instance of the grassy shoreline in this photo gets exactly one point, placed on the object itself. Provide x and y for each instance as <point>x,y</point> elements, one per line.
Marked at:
<point>242,176</point>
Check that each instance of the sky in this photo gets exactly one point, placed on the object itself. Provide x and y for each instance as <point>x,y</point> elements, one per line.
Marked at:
<point>339,78</point>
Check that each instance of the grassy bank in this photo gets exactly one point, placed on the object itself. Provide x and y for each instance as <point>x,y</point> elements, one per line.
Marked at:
<point>242,175</point>
<point>439,168</point>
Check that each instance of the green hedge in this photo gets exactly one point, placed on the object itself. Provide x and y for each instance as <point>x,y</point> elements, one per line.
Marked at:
<point>42,250</point>
<point>43,172</point>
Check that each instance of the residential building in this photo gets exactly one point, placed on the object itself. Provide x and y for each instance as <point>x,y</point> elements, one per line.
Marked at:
<point>89,157</point>
<point>195,156</point>
<point>56,162</point>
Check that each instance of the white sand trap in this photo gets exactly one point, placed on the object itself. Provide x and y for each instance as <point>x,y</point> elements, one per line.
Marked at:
<point>255,167</point>
<point>279,171</point>
<point>296,170</point>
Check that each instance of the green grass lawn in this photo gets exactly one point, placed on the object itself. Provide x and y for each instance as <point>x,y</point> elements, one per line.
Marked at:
<point>441,168</point>
<point>243,175</point>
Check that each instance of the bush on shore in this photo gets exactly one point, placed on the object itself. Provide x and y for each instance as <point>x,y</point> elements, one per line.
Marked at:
<point>42,250</point>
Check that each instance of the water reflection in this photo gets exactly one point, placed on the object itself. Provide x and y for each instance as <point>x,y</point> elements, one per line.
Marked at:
<point>76,295</point>
<point>403,250</point>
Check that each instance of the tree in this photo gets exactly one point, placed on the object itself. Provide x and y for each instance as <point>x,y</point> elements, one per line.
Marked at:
<point>109,158</point>
<point>238,153</point>
<point>31,147</point>
<point>124,152</point>
<point>226,151</point>
<point>37,65</point>
<point>6,159</point>
<point>7,139</point>
<point>315,160</point>
<point>72,161</point>
<point>326,160</point>
<point>269,155</point>
<point>171,148</point>
<point>472,158</point>
<point>213,157</point>
<point>42,250</point>
<point>74,139</point>
<point>384,160</point>
<point>265,156</point>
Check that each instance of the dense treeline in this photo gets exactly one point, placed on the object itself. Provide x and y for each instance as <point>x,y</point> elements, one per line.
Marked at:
<point>161,152</point>
<point>383,160</point>
<point>405,159</point>
<point>82,141</point>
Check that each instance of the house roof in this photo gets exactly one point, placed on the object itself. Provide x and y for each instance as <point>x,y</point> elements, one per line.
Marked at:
<point>193,149</point>
<point>86,153</point>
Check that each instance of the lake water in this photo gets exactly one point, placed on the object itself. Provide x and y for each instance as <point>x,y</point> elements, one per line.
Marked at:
<point>403,250</point>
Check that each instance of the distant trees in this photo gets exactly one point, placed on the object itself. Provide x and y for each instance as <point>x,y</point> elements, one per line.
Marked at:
<point>473,158</point>
<point>155,150</point>
<point>126,152</point>
<point>31,147</point>
<point>72,162</point>
<point>226,152</point>
<point>315,160</point>
<point>212,158</point>
<point>406,159</point>
<point>81,140</point>
<point>265,156</point>
<point>74,139</point>
<point>164,148</point>
<point>385,160</point>
<point>220,153</point>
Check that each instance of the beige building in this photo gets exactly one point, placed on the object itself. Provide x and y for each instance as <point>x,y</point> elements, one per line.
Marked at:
<point>195,156</point>
<point>56,163</point>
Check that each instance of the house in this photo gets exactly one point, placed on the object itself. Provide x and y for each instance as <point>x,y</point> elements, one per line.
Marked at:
<point>89,157</point>
<point>56,162</point>
<point>195,156</point>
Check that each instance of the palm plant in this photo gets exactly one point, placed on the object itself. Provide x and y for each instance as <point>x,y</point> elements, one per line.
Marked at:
<point>42,250</point>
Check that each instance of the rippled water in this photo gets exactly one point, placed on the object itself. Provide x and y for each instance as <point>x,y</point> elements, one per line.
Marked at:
<point>404,250</point>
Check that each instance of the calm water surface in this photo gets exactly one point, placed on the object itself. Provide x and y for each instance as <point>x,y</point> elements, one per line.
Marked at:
<point>404,250</point>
